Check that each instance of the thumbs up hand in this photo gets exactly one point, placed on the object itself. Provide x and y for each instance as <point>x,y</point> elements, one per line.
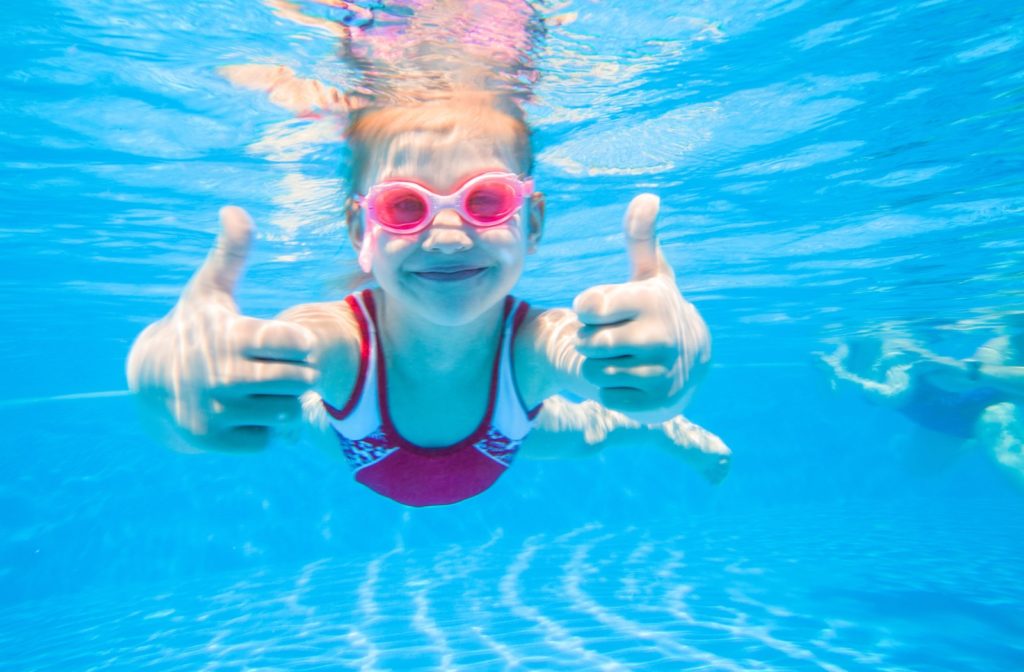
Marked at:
<point>219,379</point>
<point>643,344</point>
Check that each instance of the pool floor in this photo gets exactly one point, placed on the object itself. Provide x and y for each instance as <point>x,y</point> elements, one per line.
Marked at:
<point>851,588</point>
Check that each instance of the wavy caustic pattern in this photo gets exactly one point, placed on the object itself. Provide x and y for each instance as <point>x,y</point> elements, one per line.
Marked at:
<point>788,598</point>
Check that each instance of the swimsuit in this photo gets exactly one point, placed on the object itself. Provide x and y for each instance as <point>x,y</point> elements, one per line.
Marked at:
<point>392,466</point>
<point>953,413</point>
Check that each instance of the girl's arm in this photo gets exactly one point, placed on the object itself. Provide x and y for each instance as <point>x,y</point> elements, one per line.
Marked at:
<point>317,428</point>
<point>209,378</point>
<point>637,347</point>
<point>565,429</point>
<point>337,352</point>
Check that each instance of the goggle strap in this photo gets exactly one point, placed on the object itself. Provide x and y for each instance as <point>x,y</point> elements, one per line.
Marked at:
<point>367,249</point>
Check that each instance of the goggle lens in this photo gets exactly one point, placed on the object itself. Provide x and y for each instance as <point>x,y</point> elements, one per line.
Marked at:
<point>401,208</point>
<point>491,202</point>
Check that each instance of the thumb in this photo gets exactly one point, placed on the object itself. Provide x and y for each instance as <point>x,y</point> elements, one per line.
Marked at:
<point>641,243</point>
<point>224,264</point>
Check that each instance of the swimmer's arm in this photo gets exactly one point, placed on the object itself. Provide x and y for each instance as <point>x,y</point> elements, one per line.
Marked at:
<point>337,352</point>
<point>335,356</point>
<point>548,363</point>
<point>317,430</point>
<point>832,363</point>
<point>1008,379</point>
<point>548,345</point>
<point>987,368</point>
<point>564,429</point>
<point>638,347</point>
<point>211,378</point>
<point>891,391</point>
<point>888,392</point>
<point>991,370</point>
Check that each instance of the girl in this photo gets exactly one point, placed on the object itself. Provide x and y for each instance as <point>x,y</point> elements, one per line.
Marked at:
<point>429,384</point>
<point>430,381</point>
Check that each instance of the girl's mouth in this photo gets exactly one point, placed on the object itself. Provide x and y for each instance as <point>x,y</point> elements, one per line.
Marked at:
<point>449,275</point>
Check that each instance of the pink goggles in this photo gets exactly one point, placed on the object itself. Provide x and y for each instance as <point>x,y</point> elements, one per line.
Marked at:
<point>404,208</point>
<point>487,200</point>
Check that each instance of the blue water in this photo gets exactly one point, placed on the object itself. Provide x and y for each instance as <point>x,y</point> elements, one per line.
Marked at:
<point>824,168</point>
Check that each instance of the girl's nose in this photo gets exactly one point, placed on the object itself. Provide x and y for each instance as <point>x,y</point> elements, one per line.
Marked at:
<point>447,233</point>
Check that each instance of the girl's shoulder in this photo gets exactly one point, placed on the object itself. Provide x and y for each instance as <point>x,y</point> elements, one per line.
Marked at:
<point>338,348</point>
<point>545,336</point>
<point>539,325</point>
<point>332,321</point>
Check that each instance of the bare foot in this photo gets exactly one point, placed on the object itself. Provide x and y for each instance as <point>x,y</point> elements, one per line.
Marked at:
<point>704,450</point>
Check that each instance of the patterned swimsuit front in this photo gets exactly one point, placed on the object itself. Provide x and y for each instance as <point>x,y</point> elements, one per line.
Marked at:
<point>392,466</point>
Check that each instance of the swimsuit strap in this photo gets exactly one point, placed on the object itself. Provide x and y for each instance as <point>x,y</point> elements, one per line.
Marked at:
<point>511,417</point>
<point>360,416</point>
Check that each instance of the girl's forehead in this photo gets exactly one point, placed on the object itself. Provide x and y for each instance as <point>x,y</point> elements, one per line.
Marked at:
<point>438,160</point>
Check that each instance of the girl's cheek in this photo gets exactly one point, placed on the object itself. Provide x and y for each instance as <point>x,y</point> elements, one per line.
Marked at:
<point>509,247</point>
<point>504,235</point>
<point>500,237</point>
<point>396,245</point>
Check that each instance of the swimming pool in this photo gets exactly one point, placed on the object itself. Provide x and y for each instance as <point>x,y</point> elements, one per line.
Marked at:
<point>824,168</point>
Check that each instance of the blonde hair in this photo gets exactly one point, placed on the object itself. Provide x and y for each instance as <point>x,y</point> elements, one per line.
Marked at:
<point>468,114</point>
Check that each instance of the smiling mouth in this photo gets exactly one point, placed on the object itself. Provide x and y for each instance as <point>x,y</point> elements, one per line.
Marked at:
<point>450,275</point>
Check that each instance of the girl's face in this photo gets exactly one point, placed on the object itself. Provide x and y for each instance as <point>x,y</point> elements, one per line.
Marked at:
<point>451,272</point>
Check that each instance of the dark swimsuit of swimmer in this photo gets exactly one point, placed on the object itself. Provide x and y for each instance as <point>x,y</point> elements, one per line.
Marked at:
<point>952,413</point>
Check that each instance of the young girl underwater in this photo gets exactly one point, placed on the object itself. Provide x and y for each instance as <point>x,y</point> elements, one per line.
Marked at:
<point>430,383</point>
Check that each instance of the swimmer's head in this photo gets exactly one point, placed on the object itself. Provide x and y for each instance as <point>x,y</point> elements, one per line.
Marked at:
<point>440,143</point>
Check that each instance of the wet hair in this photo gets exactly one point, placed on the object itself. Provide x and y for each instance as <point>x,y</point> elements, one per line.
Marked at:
<point>469,114</point>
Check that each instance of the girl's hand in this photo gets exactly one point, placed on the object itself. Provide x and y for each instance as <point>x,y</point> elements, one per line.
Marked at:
<point>217,378</point>
<point>644,344</point>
